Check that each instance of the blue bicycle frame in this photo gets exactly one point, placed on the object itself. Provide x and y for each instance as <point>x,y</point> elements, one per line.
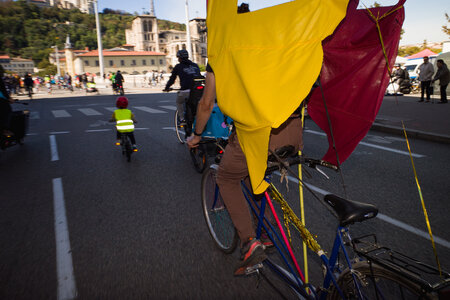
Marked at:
<point>294,279</point>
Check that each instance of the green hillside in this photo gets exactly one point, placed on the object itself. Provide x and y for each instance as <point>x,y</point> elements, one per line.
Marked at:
<point>29,31</point>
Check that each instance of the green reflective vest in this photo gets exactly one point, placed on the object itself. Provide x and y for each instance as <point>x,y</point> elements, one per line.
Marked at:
<point>124,123</point>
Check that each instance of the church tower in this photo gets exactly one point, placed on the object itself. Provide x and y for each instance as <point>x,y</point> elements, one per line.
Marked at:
<point>70,66</point>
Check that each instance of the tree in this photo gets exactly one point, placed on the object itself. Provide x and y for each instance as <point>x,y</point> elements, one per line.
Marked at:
<point>446,29</point>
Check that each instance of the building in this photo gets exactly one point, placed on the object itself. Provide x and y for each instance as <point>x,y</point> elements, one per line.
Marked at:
<point>128,62</point>
<point>145,35</point>
<point>20,66</point>
<point>84,6</point>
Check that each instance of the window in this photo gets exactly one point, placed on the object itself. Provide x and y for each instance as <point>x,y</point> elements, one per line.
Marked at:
<point>86,62</point>
<point>111,63</point>
<point>153,61</point>
<point>161,62</point>
<point>96,63</point>
<point>177,37</point>
<point>122,62</point>
<point>133,62</point>
<point>144,62</point>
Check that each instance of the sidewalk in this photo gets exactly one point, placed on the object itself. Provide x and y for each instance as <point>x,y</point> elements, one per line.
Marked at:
<point>422,120</point>
<point>428,121</point>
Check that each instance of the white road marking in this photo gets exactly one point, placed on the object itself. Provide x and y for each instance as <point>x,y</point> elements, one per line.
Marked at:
<point>97,130</point>
<point>173,128</point>
<point>53,148</point>
<point>34,115</point>
<point>385,218</point>
<point>141,128</point>
<point>111,108</point>
<point>375,146</point>
<point>169,107</point>
<point>150,110</point>
<point>59,132</point>
<point>64,266</point>
<point>61,113</point>
<point>90,112</point>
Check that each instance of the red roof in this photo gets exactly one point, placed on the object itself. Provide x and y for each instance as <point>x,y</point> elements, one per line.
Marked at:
<point>122,53</point>
<point>423,53</point>
<point>4,57</point>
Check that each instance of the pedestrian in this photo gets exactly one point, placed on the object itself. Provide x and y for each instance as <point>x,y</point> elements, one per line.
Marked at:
<point>28,82</point>
<point>426,72</point>
<point>5,108</point>
<point>443,75</point>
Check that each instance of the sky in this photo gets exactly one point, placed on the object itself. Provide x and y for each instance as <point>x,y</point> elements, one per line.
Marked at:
<point>424,18</point>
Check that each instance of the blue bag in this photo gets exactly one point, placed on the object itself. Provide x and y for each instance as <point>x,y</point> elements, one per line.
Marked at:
<point>217,124</point>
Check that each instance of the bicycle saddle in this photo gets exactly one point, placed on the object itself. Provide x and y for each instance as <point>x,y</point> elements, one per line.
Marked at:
<point>349,211</point>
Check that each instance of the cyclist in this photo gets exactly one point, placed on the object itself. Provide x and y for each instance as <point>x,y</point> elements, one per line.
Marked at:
<point>125,120</point>
<point>186,70</point>
<point>5,108</point>
<point>233,169</point>
<point>28,82</point>
<point>118,79</point>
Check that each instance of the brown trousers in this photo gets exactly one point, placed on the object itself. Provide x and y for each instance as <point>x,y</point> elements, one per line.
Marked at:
<point>233,169</point>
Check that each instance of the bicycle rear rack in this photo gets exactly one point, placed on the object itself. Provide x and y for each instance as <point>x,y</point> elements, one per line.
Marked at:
<point>426,276</point>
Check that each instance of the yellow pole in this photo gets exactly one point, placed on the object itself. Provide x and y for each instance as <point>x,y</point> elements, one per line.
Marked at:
<point>302,207</point>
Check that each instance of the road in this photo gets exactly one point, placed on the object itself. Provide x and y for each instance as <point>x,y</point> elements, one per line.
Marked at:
<point>78,219</point>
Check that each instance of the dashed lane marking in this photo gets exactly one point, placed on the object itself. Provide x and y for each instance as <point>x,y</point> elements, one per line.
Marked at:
<point>64,266</point>
<point>53,148</point>
<point>61,113</point>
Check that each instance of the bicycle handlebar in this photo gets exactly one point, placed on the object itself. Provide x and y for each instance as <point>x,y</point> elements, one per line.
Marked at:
<point>295,160</point>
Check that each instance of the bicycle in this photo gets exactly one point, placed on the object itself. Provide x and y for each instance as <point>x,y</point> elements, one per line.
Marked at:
<point>377,272</point>
<point>125,144</point>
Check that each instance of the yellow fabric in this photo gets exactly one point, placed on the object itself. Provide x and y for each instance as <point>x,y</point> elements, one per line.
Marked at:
<point>265,63</point>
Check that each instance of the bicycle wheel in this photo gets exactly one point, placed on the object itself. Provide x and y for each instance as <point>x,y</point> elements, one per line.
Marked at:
<point>216,214</point>
<point>128,150</point>
<point>199,158</point>
<point>178,127</point>
<point>375,282</point>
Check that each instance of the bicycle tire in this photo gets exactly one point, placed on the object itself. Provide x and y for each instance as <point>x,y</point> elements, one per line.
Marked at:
<point>199,158</point>
<point>178,127</point>
<point>128,150</point>
<point>217,218</point>
<point>388,285</point>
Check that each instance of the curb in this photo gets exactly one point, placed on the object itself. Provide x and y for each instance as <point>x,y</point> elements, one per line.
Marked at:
<point>440,138</point>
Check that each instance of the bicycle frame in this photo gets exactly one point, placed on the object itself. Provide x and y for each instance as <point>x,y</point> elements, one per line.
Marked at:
<point>295,277</point>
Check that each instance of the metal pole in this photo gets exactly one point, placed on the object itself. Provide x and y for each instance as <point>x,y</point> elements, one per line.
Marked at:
<point>57,62</point>
<point>188,32</point>
<point>99,40</point>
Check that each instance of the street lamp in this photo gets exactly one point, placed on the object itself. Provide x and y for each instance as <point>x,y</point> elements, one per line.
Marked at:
<point>99,39</point>
<point>57,60</point>
<point>188,31</point>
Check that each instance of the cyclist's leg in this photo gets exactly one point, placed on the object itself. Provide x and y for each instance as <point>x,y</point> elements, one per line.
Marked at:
<point>181,101</point>
<point>233,169</point>
<point>132,139</point>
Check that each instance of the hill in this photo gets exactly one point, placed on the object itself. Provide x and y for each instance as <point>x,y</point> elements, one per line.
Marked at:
<point>29,31</point>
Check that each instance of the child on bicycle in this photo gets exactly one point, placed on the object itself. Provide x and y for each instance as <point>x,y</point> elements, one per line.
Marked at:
<point>125,120</point>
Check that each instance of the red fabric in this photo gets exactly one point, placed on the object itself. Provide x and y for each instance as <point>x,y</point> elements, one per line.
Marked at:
<point>354,76</point>
<point>423,53</point>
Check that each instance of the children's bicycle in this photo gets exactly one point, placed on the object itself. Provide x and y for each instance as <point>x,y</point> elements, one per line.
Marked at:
<point>376,272</point>
<point>125,144</point>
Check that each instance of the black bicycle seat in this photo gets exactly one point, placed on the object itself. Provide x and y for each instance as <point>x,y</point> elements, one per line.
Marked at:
<point>349,211</point>
<point>283,153</point>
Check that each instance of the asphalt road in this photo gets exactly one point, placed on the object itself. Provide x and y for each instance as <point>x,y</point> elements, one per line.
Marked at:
<point>136,230</point>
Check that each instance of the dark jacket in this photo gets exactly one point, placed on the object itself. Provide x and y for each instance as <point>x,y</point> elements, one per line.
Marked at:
<point>186,70</point>
<point>443,74</point>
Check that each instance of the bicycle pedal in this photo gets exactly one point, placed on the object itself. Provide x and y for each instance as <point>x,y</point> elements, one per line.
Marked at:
<point>253,269</point>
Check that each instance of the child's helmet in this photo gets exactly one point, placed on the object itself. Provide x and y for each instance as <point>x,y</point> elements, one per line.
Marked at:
<point>122,102</point>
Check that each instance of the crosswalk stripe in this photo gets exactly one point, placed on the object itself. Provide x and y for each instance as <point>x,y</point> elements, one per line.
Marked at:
<point>35,115</point>
<point>150,110</point>
<point>61,113</point>
<point>169,107</point>
<point>90,112</point>
<point>111,108</point>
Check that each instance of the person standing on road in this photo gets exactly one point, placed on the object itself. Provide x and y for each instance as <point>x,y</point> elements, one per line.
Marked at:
<point>5,107</point>
<point>186,70</point>
<point>28,82</point>
<point>443,74</point>
<point>426,72</point>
